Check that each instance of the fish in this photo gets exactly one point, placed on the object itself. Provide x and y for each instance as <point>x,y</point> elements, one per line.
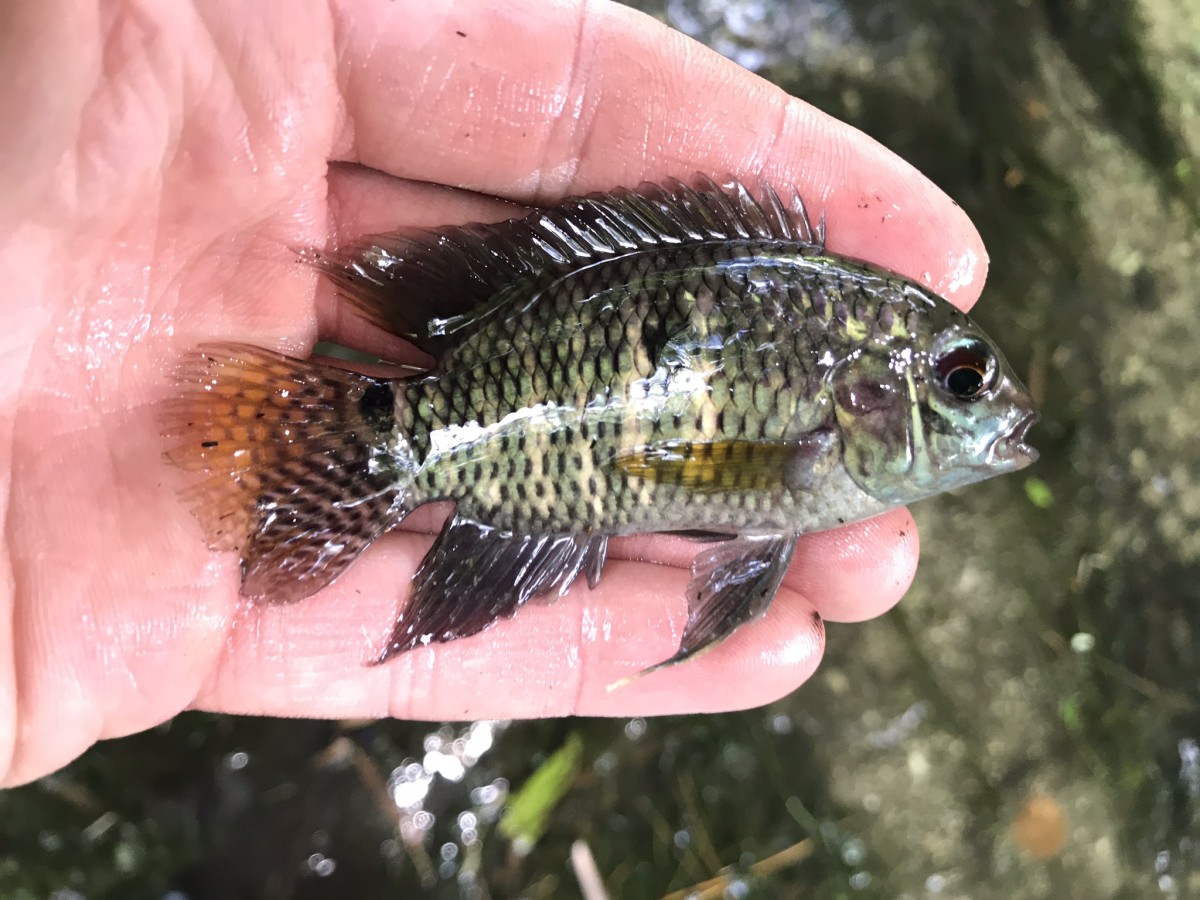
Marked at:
<point>679,357</point>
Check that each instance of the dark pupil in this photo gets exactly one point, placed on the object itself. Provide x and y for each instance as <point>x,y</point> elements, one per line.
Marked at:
<point>963,371</point>
<point>964,382</point>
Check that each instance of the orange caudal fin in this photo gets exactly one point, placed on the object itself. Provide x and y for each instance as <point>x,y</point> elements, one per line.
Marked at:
<point>304,463</point>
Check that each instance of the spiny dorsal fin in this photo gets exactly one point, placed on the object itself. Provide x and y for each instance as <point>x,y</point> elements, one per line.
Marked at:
<point>422,285</point>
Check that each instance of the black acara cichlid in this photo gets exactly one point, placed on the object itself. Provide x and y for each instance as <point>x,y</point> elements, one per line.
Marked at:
<point>670,358</point>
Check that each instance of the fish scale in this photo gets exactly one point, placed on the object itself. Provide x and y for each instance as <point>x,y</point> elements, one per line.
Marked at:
<point>597,383</point>
<point>669,358</point>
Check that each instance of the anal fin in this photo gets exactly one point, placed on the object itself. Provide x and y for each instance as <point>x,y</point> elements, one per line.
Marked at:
<point>474,575</point>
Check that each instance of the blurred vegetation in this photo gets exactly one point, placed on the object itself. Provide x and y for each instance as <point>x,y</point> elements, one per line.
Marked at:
<point>1026,724</point>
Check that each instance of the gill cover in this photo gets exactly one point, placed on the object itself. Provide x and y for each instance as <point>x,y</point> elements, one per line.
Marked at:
<point>873,400</point>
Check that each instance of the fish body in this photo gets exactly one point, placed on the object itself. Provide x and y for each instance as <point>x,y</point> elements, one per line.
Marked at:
<point>671,358</point>
<point>579,400</point>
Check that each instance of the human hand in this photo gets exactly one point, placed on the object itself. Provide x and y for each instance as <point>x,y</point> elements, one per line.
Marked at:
<point>160,160</point>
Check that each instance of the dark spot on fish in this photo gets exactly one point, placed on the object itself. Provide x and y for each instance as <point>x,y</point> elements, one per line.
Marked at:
<point>539,489</point>
<point>377,407</point>
<point>903,533</point>
<point>461,33</point>
<point>886,317</point>
<point>208,444</point>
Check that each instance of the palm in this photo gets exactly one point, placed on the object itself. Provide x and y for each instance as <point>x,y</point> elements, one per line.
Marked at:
<point>183,179</point>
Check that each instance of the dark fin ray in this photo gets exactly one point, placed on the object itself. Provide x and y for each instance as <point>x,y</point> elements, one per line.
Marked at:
<point>428,285</point>
<point>300,479</point>
<point>732,583</point>
<point>593,564</point>
<point>700,536</point>
<point>474,575</point>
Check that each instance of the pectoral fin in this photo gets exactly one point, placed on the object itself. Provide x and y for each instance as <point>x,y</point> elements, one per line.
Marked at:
<point>474,575</point>
<point>732,583</point>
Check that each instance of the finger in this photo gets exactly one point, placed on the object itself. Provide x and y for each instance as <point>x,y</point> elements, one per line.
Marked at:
<point>364,201</point>
<point>535,102</point>
<point>549,660</point>
<point>859,571</point>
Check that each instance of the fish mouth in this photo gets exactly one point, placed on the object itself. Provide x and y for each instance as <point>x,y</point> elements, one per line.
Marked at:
<point>1012,447</point>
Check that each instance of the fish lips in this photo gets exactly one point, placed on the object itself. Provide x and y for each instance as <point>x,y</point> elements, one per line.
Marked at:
<point>1011,450</point>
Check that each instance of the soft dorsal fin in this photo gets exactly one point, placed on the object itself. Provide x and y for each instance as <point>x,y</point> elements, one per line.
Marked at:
<point>421,285</point>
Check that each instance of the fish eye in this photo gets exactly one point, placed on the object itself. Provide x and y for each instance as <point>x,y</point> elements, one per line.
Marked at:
<point>966,369</point>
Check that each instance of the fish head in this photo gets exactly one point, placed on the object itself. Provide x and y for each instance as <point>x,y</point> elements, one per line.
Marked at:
<point>930,413</point>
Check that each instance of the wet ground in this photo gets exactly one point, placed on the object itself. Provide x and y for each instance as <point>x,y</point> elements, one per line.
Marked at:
<point>1025,725</point>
